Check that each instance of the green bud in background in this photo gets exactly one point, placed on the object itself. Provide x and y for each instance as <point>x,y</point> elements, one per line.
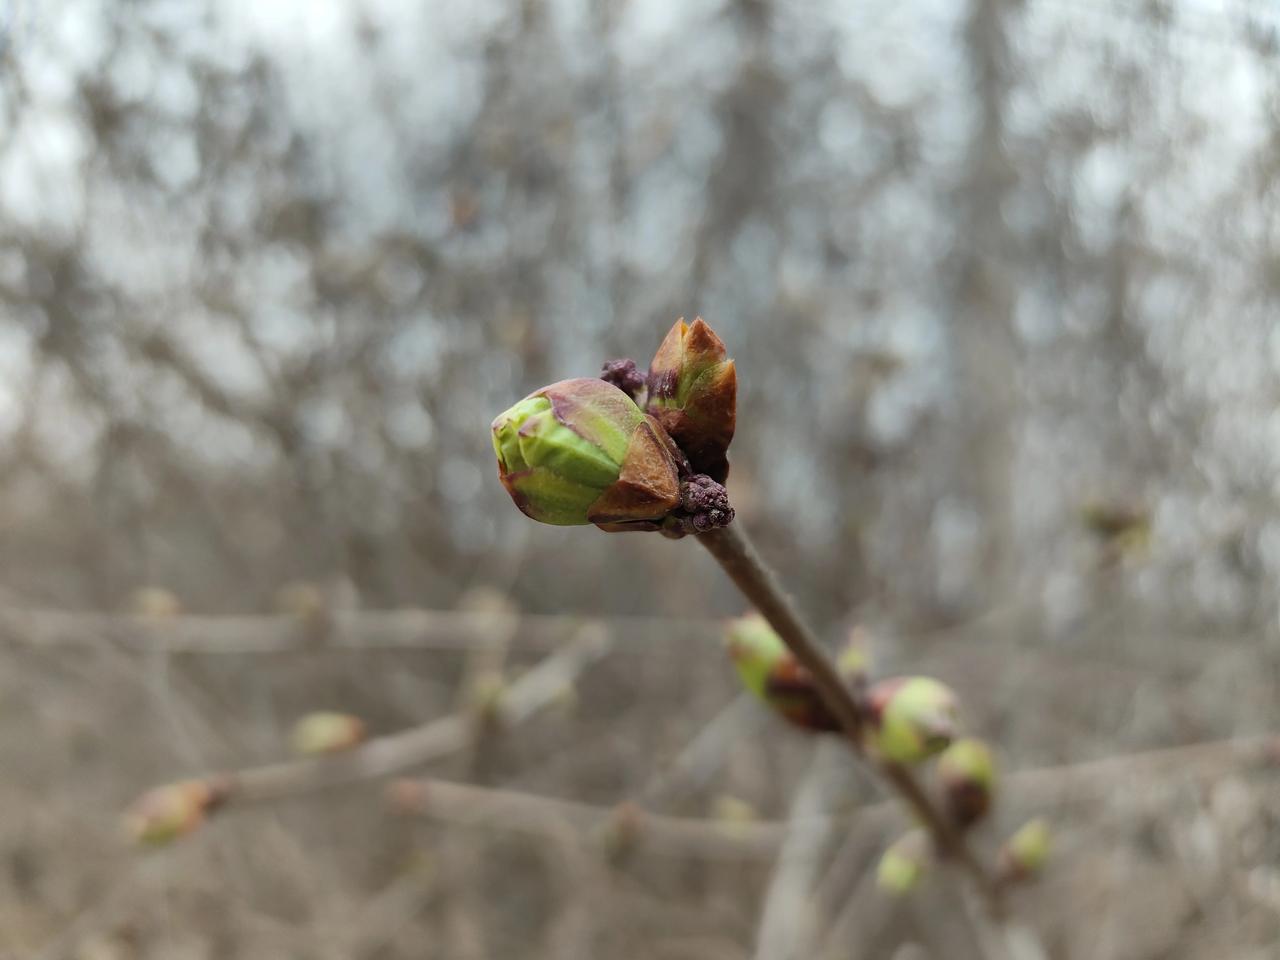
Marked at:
<point>967,771</point>
<point>619,836</point>
<point>167,813</point>
<point>305,602</point>
<point>1123,529</point>
<point>726,808</point>
<point>154,603</point>
<point>326,732</point>
<point>581,451</point>
<point>853,662</point>
<point>1025,853</point>
<point>903,865</point>
<point>912,718</point>
<point>770,671</point>
<point>693,391</point>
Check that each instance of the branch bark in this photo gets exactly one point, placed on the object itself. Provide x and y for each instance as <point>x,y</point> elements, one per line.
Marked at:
<point>734,552</point>
<point>509,809</point>
<point>398,752</point>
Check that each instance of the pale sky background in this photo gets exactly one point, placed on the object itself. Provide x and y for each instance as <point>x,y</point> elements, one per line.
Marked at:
<point>1211,97</point>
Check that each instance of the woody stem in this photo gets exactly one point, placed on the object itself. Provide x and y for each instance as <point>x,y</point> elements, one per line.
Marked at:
<point>734,552</point>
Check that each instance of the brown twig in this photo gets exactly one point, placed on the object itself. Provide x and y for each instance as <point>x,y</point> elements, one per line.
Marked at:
<point>516,810</point>
<point>446,630</point>
<point>731,548</point>
<point>389,755</point>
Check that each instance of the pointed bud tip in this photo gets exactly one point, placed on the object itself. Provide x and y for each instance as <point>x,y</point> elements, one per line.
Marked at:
<point>701,340</point>
<point>693,394</point>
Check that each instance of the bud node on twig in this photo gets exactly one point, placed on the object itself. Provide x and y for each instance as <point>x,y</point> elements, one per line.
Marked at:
<point>626,376</point>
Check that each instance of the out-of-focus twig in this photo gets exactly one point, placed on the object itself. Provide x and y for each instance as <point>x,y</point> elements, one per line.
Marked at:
<point>786,919</point>
<point>515,810</point>
<point>389,755</point>
<point>447,630</point>
<point>624,824</point>
<point>704,754</point>
<point>362,630</point>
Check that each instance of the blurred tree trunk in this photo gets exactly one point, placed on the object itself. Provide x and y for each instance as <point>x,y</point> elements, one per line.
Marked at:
<point>984,349</point>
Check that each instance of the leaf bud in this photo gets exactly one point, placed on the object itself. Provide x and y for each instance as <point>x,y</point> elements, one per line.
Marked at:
<point>902,866</point>
<point>771,672</point>
<point>1025,853</point>
<point>167,813</point>
<point>967,772</point>
<point>326,731</point>
<point>911,718</point>
<point>693,390</point>
<point>581,451</point>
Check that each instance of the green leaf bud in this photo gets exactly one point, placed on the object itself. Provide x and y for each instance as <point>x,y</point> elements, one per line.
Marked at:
<point>693,390</point>
<point>903,865</point>
<point>912,718</point>
<point>853,662</point>
<point>166,813</point>
<point>154,603</point>
<point>1025,853</point>
<point>581,451</point>
<point>967,771</point>
<point>326,732</point>
<point>771,672</point>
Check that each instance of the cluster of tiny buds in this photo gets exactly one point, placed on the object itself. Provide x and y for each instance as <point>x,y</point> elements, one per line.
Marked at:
<point>625,375</point>
<point>704,504</point>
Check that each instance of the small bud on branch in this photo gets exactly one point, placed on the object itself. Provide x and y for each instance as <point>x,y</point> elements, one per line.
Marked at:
<point>967,772</point>
<point>912,718</point>
<point>167,813</point>
<point>1024,854</point>
<point>853,662</point>
<point>581,451</point>
<point>903,865</point>
<point>326,731</point>
<point>771,672</point>
<point>693,391</point>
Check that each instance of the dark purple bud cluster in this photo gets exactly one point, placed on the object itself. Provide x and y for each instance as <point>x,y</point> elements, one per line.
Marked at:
<point>625,375</point>
<point>704,504</point>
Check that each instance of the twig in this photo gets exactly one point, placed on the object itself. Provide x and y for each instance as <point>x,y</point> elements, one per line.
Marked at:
<point>449,630</point>
<point>507,809</point>
<point>730,546</point>
<point>635,828</point>
<point>337,631</point>
<point>398,752</point>
<point>703,756</point>
<point>786,918</point>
